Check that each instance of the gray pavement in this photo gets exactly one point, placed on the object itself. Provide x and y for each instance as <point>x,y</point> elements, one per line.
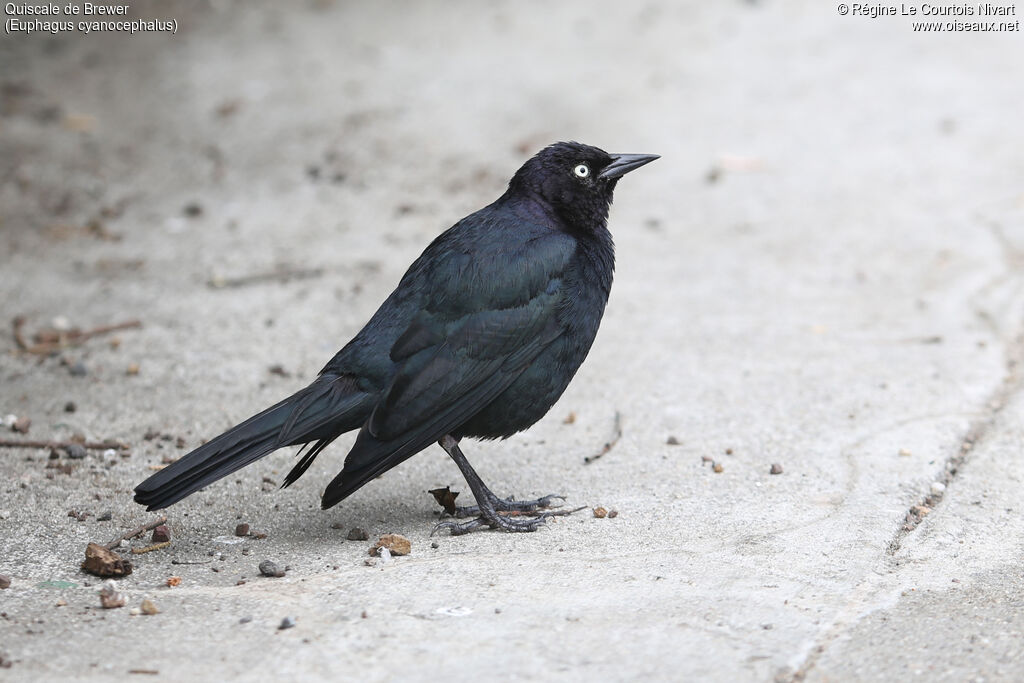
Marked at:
<point>824,271</point>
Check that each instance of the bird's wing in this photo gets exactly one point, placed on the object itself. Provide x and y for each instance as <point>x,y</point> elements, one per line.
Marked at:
<point>476,333</point>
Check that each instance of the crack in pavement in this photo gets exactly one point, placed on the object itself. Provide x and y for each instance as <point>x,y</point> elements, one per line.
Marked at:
<point>1011,383</point>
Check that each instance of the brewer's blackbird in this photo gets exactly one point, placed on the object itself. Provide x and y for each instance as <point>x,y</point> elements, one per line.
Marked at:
<point>479,339</point>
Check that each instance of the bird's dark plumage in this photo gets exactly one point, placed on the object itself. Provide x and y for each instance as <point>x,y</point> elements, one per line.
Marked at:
<point>480,338</point>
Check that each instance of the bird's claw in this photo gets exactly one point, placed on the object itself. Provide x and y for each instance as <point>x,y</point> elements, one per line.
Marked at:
<point>502,522</point>
<point>512,505</point>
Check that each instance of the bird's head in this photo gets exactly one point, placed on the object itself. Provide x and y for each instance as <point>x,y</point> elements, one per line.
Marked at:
<point>575,181</point>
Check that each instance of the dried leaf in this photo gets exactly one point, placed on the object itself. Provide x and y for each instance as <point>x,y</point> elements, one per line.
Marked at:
<point>445,498</point>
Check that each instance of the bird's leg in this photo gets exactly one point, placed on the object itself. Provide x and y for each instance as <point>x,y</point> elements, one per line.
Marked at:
<point>488,505</point>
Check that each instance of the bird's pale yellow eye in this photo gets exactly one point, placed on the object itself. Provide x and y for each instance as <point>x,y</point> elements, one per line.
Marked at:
<point>581,171</point>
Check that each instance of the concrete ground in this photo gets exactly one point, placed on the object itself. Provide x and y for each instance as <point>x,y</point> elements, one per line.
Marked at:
<point>823,272</point>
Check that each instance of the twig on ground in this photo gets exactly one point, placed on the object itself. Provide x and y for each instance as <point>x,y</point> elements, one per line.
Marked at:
<point>610,444</point>
<point>91,445</point>
<point>279,274</point>
<point>64,339</point>
<point>136,532</point>
<point>149,548</point>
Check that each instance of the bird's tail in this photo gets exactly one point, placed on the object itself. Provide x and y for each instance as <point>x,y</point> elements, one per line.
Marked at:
<point>322,411</point>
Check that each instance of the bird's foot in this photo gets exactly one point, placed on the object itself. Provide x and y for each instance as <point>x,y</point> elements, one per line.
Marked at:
<point>511,505</point>
<point>492,519</point>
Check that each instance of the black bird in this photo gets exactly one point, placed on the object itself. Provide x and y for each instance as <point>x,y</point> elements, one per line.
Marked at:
<point>479,339</point>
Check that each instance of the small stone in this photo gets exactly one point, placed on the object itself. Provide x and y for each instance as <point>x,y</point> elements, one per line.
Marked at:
<point>105,516</point>
<point>78,369</point>
<point>394,543</point>
<point>242,529</point>
<point>269,568</point>
<point>9,421</point>
<point>109,597</point>
<point>70,407</point>
<point>938,488</point>
<point>337,525</point>
<point>5,581</point>
<point>75,451</point>
<point>245,620</point>
<point>110,454</point>
<point>132,369</point>
<point>286,623</point>
<point>776,468</point>
<point>149,608</point>
<point>357,534</point>
<point>161,534</point>
<point>173,581</point>
<point>905,453</point>
<point>672,441</point>
<point>435,545</point>
<point>612,514</point>
<point>600,513</point>
<point>193,210</point>
<point>717,467</point>
<point>100,561</point>
<point>22,424</point>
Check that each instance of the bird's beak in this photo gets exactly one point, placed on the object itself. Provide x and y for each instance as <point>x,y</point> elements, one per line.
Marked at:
<point>624,163</point>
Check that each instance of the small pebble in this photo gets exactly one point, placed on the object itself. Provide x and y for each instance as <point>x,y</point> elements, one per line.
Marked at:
<point>109,453</point>
<point>672,441</point>
<point>78,369</point>
<point>394,543</point>
<point>75,451</point>
<point>435,544</point>
<point>269,568</point>
<point>9,421</point>
<point>938,487</point>
<point>242,529</point>
<point>358,534</point>
<point>22,424</point>
<point>287,622</point>
<point>109,597</point>
<point>245,620</point>
<point>70,407</point>
<point>5,581</point>
<point>193,210</point>
<point>161,534</point>
<point>717,467</point>
<point>105,516</point>
<point>337,525</point>
<point>132,369</point>
<point>775,469</point>
<point>173,581</point>
<point>905,453</point>
<point>612,514</point>
<point>149,608</point>
<point>600,513</point>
